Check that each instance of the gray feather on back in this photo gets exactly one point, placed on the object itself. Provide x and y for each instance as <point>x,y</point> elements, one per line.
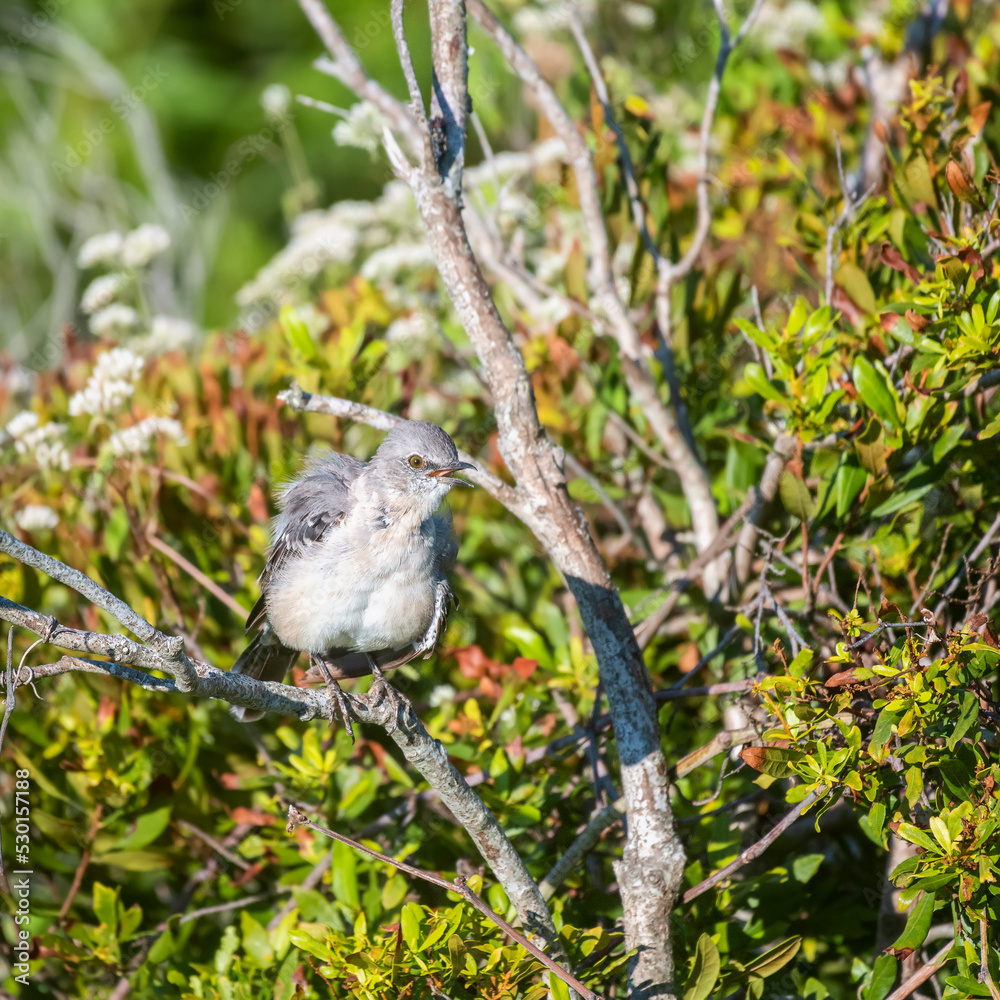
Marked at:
<point>310,506</point>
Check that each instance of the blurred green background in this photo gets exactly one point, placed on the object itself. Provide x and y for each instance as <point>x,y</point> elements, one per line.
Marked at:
<point>117,113</point>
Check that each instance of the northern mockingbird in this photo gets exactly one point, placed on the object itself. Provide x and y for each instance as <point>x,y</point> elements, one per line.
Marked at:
<point>358,560</point>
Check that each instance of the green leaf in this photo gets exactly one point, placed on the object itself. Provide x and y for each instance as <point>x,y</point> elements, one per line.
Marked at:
<point>870,447</point>
<point>163,948</point>
<point>775,958</point>
<point>344,873</point>
<point>876,392</point>
<point>855,282</point>
<point>760,337</point>
<point>882,980</point>
<point>147,828</point>
<point>558,989</point>
<point>106,907</point>
<point>705,972</point>
<point>876,818</point>
<point>255,940</point>
<point>133,861</point>
<point>296,331</point>
<point>410,920</point>
<point>914,785</point>
<point>917,924</point>
<point>968,716</point>
<point>394,892</point>
<point>951,436</point>
<point>917,836</point>
<point>850,482</point>
<point>805,866</point>
<point>883,729</point>
<point>396,771</point>
<point>754,377</point>
<point>796,497</point>
<point>901,499</point>
<point>115,533</point>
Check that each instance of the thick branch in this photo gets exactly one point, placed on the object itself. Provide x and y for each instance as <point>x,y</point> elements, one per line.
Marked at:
<point>170,648</point>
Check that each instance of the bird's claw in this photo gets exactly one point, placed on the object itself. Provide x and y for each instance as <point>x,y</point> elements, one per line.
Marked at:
<point>387,692</point>
<point>335,695</point>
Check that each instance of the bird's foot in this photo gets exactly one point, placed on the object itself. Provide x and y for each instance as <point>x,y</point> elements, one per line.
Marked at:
<point>335,694</point>
<point>387,692</point>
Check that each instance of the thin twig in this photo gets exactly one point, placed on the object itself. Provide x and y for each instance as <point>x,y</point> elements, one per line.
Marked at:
<point>922,974</point>
<point>81,868</point>
<point>648,627</point>
<point>755,850</point>
<point>196,574</point>
<point>296,818</point>
<point>219,849</point>
<point>881,627</point>
<point>707,658</point>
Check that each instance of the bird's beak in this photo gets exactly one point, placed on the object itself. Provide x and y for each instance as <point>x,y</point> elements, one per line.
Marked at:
<point>446,473</point>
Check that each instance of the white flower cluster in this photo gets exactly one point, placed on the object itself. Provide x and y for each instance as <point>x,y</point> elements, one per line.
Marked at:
<point>114,319</point>
<point>104,248</point>
<point>443,694</point>
<point>638,15</point>
<point>362,127</point>
<point>135,249</point>
<point>386,264</point>
<point>143,244</point>
<point>36,517</point>
<point>335,236</point>
<point>166,333</point>
<point>41,440</point>
<point>103,291</point>
<point>136,439</point>
<point>110,384</point>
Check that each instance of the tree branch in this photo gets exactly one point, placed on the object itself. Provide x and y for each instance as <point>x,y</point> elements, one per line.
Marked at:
<point>607,302</point>
<point>755,850</point>
<point>653,859</point>
<point>173,659</point>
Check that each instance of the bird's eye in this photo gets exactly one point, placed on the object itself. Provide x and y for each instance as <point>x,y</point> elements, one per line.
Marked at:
<point>416,462</point>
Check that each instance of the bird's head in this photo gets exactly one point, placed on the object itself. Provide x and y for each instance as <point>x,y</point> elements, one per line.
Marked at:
<point>417,459</point>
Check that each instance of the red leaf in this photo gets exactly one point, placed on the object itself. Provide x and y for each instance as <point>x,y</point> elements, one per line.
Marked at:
<point>970,257</point>
<point>842,678</point>
<point>891,257</point>
<point>524,667</point>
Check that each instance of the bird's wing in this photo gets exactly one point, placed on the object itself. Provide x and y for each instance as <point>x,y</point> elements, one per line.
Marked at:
<point>447,541</point>
<point>311,506</point>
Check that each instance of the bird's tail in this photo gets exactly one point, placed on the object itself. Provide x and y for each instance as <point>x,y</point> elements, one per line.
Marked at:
<point>267,659</point>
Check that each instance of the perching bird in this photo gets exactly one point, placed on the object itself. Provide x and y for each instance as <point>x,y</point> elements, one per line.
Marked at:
<point>359,559</point>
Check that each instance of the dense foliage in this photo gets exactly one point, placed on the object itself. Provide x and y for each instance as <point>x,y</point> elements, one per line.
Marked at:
<point>155,471</point>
